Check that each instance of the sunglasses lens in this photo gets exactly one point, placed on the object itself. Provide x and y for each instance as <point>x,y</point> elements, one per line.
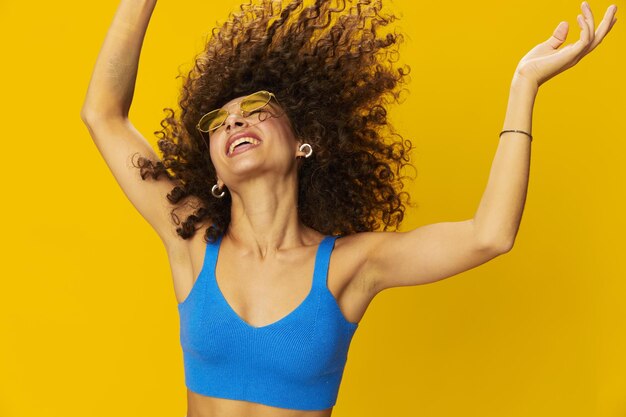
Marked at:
<point>255,101</point>
<point>212,120</point>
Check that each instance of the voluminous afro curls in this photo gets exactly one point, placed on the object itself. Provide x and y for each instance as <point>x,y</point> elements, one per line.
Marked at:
<point>333,77</point>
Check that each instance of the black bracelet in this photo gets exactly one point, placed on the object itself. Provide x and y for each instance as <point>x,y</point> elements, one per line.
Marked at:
<point>518,131</point>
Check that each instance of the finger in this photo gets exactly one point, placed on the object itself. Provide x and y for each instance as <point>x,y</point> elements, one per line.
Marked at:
<point>588,15</point>
<point>610,15</point>
<point>605,25</point>
<point>583,42</point>
<point>558,36</point>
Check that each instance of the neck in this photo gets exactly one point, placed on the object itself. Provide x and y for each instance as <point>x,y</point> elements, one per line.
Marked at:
<point>264,217</point>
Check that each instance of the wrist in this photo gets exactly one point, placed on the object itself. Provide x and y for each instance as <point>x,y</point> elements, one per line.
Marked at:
<point>522,84</point>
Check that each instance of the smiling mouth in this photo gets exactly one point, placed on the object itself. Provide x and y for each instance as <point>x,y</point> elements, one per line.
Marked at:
<point>243,147</point>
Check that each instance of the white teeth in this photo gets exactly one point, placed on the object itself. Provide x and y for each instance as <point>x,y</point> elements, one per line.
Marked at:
<point>240,140</point>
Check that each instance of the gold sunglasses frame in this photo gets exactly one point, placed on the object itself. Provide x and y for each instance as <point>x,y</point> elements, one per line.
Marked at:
<point>241,111</point>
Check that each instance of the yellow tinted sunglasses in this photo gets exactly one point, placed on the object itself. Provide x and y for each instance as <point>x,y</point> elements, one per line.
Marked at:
<point>248,105</point>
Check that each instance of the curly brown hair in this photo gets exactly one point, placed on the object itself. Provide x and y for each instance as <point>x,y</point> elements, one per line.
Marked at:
<point>333,84</point>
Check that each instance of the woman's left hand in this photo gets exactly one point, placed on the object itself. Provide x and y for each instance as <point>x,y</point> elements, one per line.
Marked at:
<point>544,61</point>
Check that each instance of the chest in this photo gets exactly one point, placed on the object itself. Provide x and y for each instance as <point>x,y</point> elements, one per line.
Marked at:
<point>263,292</point>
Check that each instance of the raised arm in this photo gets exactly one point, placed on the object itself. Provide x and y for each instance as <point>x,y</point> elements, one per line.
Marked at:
<point>437,251</point>
<point>105,113</point>
<point>112,84</point>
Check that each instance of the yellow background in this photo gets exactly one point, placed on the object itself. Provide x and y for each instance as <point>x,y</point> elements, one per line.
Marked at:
<point>88,318</point>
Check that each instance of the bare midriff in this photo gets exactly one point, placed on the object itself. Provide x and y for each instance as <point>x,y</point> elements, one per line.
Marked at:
<point>204,406</point>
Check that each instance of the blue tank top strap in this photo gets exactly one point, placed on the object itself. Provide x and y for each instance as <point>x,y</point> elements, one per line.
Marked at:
<point>322,260</point>
<point>210,258</point>
<point>200,285</point>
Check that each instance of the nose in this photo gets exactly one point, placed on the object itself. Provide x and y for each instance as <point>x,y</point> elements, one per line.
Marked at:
<point>234,119</point>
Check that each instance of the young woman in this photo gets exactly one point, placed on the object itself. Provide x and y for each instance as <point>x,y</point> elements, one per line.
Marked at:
<point>284,153</point>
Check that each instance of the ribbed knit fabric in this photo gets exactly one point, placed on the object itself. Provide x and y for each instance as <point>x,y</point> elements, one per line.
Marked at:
<point>296,362</point>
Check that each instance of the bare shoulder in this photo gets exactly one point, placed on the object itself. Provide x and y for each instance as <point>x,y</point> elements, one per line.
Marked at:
<point>348,279</point>
<point>186,257</point>
<point>352,253</point>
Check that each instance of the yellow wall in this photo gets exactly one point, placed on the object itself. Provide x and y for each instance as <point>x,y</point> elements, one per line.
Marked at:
<point>88,318</point>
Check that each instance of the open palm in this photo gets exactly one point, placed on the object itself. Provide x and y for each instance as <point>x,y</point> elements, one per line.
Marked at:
<point>545,60</point>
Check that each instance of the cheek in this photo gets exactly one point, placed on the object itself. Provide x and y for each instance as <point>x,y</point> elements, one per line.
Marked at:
<point>282,129</point>
<point>215,152</point>
<point>281,139</point>
<point>214,145</point>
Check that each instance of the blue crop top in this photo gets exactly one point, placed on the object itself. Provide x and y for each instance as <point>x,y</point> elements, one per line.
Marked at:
<point>296,362</point>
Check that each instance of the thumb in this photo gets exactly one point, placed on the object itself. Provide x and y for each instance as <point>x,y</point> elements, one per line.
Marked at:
<point>559,35</point>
